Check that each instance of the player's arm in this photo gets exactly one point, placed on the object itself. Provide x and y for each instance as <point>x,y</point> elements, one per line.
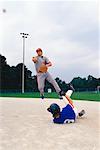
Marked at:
<point>49,64</point>
<point>34,59</point>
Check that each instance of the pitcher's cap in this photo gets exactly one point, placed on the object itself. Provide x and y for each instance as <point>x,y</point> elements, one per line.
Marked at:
<point>39,49</point>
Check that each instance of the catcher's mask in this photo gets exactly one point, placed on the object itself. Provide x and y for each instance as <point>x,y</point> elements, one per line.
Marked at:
<point>54,109</point>
<point>39,49</point>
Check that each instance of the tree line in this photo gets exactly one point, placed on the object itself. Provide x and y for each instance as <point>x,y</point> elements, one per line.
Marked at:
<point>11,80</point>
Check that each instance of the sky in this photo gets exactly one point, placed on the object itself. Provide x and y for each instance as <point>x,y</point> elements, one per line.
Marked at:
<point>66,31</point>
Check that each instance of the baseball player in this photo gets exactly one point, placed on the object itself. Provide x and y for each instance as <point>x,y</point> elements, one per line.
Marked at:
<point>42,64</point>
<point>68,114</point>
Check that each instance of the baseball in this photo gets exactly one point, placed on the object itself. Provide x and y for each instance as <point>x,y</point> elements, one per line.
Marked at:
<point>34,59</point>
<point>4,10</point>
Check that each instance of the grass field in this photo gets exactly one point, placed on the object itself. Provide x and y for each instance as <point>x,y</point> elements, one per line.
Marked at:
<point>92,96</point>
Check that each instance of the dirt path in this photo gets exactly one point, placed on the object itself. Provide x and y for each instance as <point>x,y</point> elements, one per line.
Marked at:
<point>26,125</point>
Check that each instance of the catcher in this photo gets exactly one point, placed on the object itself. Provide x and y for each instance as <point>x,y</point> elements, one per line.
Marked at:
<point>42,64</point>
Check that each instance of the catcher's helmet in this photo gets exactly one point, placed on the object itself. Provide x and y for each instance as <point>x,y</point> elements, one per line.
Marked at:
<point>39,49</point>
<point>54,109</point>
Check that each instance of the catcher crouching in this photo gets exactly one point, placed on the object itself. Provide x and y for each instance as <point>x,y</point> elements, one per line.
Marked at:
<point>42,64</point>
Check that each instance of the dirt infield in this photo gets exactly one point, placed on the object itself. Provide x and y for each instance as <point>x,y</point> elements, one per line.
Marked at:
<point>26,125</point>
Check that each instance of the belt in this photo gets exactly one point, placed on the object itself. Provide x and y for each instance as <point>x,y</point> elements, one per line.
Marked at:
<point>40,72</point>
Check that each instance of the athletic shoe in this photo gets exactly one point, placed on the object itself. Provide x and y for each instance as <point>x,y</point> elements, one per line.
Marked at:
<point>42,96</point>
<point>60,97</point>
<point>62,93</point>
<point>81,113</point>
<point>70,86</point>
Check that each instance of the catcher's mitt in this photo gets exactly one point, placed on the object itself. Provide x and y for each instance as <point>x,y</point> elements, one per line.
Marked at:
<point>43,68</point>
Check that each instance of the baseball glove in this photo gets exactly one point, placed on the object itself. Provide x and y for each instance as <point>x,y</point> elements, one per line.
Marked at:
<point>43,68</point>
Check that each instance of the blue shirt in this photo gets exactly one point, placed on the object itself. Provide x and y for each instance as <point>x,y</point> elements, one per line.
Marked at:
<point>67,114</point>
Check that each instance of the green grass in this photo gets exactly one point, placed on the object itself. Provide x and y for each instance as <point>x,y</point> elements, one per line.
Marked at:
<point>29,95</point>
<point>92,96</point>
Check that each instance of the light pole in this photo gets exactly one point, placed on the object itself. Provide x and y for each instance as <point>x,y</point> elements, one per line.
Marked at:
<point>24,35</point>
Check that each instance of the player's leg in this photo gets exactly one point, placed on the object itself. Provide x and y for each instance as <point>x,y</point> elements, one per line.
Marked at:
<point>41,82</point>
<point>67,98</point>
<point>80,114</point>
<point>69,93</point>
<point>76,112</point>
<point>70,90</point>
<point>54,83</point>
